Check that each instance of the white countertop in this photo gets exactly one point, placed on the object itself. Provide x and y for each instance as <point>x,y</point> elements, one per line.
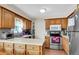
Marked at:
<point>25,41</point>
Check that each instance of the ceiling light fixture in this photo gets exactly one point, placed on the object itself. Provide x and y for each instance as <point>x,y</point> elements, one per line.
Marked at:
<point>43,10</point>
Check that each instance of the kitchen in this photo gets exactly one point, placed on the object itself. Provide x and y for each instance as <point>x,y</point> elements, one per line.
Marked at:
<point>19,35</point>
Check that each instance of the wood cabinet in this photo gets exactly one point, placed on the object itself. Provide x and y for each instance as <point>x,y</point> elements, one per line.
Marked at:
<point>1,46</point>
<point>65,44</point>
<point>8,48</point>
<point>0,16</point>
<point>24,24</point>
<point>47,24</point>
<point>64,23</point>
<point>47,41</point>
<point>19,49</point>
<point>28,24</point>
<point>6,18</point>
<point>33,50</point>
<point>58,21</point>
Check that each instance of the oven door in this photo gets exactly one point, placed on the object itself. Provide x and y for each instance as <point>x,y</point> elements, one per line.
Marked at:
<point>55,38</point>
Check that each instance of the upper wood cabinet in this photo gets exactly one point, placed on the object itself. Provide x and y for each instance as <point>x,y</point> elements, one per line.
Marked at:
<point>28,24</point>
<point>60,21</point>
<point>64,23</point>
<point>55,21</point>
<point>0,17</point>
<point>47,24</point>
<point>6,18</point>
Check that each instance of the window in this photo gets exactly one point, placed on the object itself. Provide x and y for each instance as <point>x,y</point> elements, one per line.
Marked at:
<point>18,25</point>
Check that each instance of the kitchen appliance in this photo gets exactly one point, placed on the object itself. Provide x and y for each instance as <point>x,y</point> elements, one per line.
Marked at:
<point>55,37</point>
<point>73,32</point>
<point>5,35</point>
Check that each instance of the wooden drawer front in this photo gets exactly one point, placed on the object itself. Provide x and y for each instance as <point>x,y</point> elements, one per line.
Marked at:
<point>9,51</point>
<point>19,46</point>
<point>1,45</point>
<point>33,47</point>
<point>8,45</point>
<point>19,51</point>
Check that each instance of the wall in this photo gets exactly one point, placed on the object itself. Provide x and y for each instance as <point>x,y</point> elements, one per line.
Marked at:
<point>40,28</point>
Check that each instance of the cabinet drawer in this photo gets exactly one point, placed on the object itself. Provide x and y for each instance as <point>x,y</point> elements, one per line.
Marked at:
<point>19,51</point>
<point>33,47</point>
<point>8,45</point>
<point>19,46</point>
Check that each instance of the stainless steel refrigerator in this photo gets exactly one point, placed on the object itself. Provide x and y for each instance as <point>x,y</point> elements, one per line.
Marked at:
<point>73,32</point>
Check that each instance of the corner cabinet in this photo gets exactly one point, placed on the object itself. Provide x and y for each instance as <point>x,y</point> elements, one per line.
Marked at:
<point>6,18</point>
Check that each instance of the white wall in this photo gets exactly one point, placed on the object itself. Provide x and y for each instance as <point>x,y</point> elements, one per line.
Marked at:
<point>40,28</point>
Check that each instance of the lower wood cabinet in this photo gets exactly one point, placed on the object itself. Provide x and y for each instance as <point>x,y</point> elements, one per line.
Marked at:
<point>19,49</point>
<point>1,46</point>
<point>47,41</point>
<point>33,50</point>
<point>8,48</point>
<point>65,44</point>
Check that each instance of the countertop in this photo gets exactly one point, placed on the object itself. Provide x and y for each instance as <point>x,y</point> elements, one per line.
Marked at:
<point>25,41</point>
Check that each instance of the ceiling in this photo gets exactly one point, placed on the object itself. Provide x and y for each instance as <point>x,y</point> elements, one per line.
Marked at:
<point>52,10</point>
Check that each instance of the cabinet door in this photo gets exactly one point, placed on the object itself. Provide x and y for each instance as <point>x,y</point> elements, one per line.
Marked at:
<point>58,21</point>
<point>53,22</point>
<point>47,42</point>
<point>24,24</point>
<point>33,47</point>
<point>28,24</point>
<point>0,17</point>
<point>8,19</point>
<point>9,51</point>
<point>47,24</point>
<point>19,49</point>
<point>65,45</point>
<point>8,48</point>
<point>33,52</point>
<point>64,23</point>
<point>1,46</point>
